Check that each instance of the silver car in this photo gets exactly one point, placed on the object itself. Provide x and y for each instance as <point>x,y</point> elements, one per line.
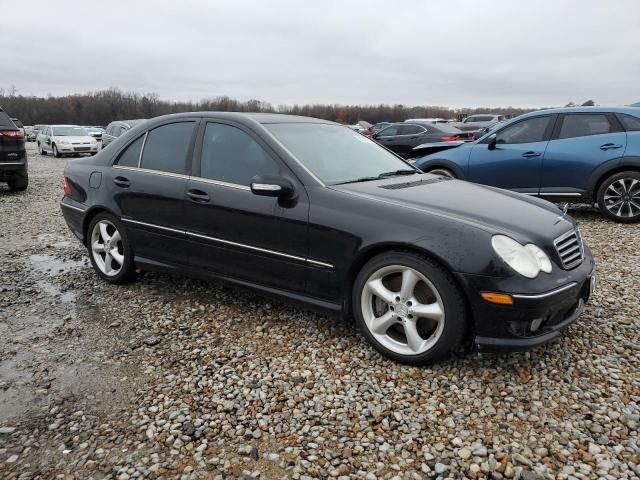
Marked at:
<point>65,140</point>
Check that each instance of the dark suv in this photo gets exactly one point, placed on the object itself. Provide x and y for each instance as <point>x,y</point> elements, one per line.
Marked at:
<point>13,155</point>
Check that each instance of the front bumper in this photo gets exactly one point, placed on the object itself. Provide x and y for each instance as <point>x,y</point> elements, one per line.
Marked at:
<point>536,317</point>
<point>70,148</point>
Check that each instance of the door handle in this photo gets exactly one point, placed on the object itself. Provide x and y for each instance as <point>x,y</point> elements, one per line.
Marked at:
<point>609,146</point>
<point>531,154</point>
<point>198,196</point>
<point>121,182</point>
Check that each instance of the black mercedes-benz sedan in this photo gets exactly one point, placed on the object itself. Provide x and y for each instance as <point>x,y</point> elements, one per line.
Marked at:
<point>310,211</point>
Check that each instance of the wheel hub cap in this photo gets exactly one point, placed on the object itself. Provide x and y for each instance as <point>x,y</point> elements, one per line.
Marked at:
<point>402,310</point>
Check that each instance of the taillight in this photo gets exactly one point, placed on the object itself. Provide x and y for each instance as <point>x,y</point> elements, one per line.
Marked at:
<point>66,187</point>
<point>15,134</point>
<point>449,138</point>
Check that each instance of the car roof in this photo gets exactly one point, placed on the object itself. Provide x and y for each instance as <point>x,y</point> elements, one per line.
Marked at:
<point>630,110</point>
<point>263,118</point>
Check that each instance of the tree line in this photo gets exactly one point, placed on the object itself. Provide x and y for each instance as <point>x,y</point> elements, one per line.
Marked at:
<point>103,107</point>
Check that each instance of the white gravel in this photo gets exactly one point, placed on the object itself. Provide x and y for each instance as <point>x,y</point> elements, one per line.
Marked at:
<point>171,377</point>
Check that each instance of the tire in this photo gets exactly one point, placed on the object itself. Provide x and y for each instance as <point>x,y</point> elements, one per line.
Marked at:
<point>20,183</point>
<point>41,150</point>
<point>443,172</point>
<point>56,153</point>
<point>114,269</point>
<point>385,316</point>
<point>619,197</point>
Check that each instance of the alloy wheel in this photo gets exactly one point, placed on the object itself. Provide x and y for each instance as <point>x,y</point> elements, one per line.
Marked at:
<point>107,248</point>
<point>622,198</point>
<point>403,310</point>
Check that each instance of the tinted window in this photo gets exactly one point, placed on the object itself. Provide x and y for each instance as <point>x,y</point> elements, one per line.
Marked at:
<point>230,155</point>
<point>527,131</point>
<point>389,131</point>
<point>631,124</point>
<point>129,157</point>
<point>411,129</point>
<point>167,147</point>
<point>479,118</point>
<point>5,121</point>
<point>584,125</point>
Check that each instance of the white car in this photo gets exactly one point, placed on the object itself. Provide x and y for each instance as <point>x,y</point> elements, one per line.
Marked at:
<point>65,140</point>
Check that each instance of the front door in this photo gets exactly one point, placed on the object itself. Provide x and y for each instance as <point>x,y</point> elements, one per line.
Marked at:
<point>233,232</point>
<point>583,142</point>
<point>516,161</point>
<point>390,138</point>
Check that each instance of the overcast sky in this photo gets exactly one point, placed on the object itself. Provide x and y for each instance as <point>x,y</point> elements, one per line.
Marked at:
<point>415,52</point>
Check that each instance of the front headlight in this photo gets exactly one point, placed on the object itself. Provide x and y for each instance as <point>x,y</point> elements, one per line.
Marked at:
<point>62,141</point>
<point>528,260</point>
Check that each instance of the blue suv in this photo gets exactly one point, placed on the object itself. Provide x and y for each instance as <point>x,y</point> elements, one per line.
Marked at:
<point>588,154</point>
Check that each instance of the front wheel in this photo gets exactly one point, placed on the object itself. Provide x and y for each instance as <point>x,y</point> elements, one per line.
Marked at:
<point>41,150</point>
<point>109,249</point>
<point>409,308</point>
<point>619,197</point>
<point>55,151</point>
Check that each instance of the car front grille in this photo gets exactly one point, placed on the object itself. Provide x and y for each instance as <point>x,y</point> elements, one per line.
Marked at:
<point>570,249</point>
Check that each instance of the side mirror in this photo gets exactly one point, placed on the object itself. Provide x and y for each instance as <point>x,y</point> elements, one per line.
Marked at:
<point>269,186</point>
<point>491,144</point>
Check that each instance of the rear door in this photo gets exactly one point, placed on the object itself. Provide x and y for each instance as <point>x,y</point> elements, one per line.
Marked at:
<point>148,183</point>
<point>581,143</point>
<point>234,232</point>
<point>516,161</point>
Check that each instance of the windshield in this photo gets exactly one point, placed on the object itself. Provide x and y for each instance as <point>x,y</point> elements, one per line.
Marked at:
<point>68,132</point>
<point>335,154</point>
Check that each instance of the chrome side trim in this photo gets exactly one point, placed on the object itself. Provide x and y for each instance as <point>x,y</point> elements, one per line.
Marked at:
<point>11,163</point>
<point>221,183</point>
<point>229,242</point>
<point>154,172</point>
<point>248,247</point>
<point>550,293</point>
<point>319,264</point>
<point>66,205</point>
<point>559,194</point>
<point>151,225</point>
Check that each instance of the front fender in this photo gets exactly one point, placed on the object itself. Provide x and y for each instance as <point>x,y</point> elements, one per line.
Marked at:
<point>425,164</point>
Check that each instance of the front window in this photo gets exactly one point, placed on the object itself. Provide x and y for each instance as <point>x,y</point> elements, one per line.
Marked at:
<point>527,131</point>
<point>68,132</point>
<point>336,154</point>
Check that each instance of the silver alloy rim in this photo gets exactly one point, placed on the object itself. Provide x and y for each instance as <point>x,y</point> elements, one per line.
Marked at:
<point>403,310</point>
<point>622,198</point>
<point>55,151</point>
<point>107,248</point>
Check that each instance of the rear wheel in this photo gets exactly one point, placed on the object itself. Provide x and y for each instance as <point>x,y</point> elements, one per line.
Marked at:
<point>409,308</point>
<point>619,197</point>
<point>20,182</point>
<point>443,172</point>
<point>109,249</point>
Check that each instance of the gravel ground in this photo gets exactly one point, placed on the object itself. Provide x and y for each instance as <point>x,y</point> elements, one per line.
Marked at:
<point>171,377</point>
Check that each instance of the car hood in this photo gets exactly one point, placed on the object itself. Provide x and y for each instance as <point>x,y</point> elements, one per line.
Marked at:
<point>524,218</point>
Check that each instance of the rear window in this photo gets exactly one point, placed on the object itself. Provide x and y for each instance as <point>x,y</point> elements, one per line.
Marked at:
<point>631,123</point>
<point>17,123</point>
<point>167,147</point>
<point>479,118</point>
<point>130,155</point>
<point>584,125</point>
<point>445,128</point>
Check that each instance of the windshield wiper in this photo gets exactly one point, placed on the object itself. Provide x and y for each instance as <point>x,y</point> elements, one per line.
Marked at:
<point>382,175</point>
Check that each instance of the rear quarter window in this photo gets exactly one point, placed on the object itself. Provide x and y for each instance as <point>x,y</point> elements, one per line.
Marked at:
<point>130,155</point>
<point>167,147</point>
<point>630,123</point>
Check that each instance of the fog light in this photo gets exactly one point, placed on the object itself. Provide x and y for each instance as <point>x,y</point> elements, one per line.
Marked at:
<point>499,298</point>
<point>535,325</point>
